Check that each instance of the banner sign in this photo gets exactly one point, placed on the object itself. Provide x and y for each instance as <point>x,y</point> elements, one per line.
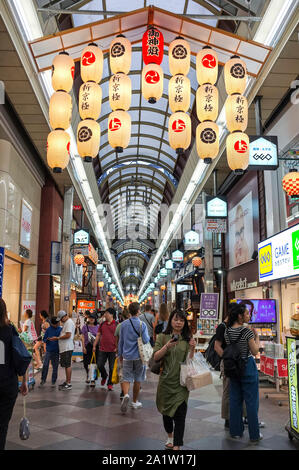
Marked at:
<point>209,306</point>
<point>81,237</point>
<point>293,352</point>
<point>56,258</point>
<point>269,366</point>
<point>25,232</point>
<point>282,368</point>
<point>216,207</point>
<point>191,240</point>
<point>177,256</point>
<point>262,363</point>
<point>216,225</point>
<point>1,269</point>
<point>263,153</point>
<point>279,255</point>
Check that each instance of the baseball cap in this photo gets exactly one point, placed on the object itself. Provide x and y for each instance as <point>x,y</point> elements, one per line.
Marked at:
<point>61,314</point>
<point>54,320</point>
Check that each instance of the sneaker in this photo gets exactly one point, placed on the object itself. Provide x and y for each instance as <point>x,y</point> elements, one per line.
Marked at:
<point>110,388</point>
<point>67,387</point>
<point>92,383</point>
<point>124,403</point>
<point>103,381</point>
<point>236,437</point>
<point>121,395</point>
<point>53,385</point>
<point>256,441</point>
<point>42,384</point>
<point>261,423</point>
<point>136,405</point>
<point>62,385</point>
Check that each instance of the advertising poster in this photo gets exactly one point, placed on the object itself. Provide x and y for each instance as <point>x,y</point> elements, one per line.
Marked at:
<point>262,363</point>
<point>25,232</point>
<point>209,306</point>
<point>292,349</point>
<point>240,227</point>
<point>282,368</point>
<point>269,366</point>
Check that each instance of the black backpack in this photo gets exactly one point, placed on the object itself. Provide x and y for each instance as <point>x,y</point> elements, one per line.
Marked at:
<point>211,356</point>
<point>234,365</point>
<point>159,328</point>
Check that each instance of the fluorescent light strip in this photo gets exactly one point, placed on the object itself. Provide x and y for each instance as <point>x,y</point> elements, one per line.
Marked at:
<point>31,28</point>
<point>273,18</point>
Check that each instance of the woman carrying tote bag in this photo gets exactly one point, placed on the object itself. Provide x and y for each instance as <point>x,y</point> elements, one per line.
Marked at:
<point>173,346</point>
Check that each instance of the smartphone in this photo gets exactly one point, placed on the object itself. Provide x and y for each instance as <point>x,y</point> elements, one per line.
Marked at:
<point>174,338</point>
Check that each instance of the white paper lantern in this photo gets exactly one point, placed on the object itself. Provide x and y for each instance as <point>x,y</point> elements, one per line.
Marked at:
<point>58,150</point>
<point>207,141</point>
<point>237,151</point>
<point>88,139</point>
<point>119,130</point>
<point>120,55</point>
<point>179,90</point>
<point>152,82</point>
<point>207,66</point>
<point>120,92</point>
<point>90,100</point>
<point>63,70</point>
<point>92,63</point>
<point>179,131</point>
<point>235,76</point>
<point>207,103</point>
<point>236,111</point>
<point>179,56</point>
<point>60,110</point>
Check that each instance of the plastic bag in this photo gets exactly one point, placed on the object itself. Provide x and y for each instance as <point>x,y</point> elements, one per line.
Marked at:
<point>24,431</point>
<point>195,373</point>
<point>93,369</point>
<point>115,377</point>
<point>120,370</point>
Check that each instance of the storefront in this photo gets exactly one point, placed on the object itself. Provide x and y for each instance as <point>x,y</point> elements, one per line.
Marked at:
<point>20,195</point>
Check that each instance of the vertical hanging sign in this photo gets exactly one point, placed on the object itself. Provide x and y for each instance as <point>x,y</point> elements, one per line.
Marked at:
<point>1,269</point>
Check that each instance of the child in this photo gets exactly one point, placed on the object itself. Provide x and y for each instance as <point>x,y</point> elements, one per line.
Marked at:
<point>52,351</point>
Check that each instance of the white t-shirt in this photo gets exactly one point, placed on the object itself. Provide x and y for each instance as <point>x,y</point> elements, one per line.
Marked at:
<point>67,344</point>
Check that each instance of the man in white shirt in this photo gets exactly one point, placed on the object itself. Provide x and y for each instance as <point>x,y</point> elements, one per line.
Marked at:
<point>66,347</point>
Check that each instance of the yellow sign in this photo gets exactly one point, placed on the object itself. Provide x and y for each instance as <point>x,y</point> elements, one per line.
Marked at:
<point>265,260</point>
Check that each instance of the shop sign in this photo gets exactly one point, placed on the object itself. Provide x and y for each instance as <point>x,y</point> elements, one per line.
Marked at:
<point>242,284</point>
<point>216,225</point>
<point>191,240</point>
<point>263,364</point>
<point>177,256</point>
<point>216,207</point>
<point>263,153</point>
<point>77,207</point>
<point>279,255</point>
<point>169,264</point>
<point>92,254</point>
<point>25,232</point>
<point>86,305</point>
<point>56,258</point>
<point>292,351</point>
<point>209,306</point>
<point>81,237</point>
<point>163,272</point>
<point>269,366</point>
<point>1,269</point>
<point>183,287</point>
<point>282,368</point>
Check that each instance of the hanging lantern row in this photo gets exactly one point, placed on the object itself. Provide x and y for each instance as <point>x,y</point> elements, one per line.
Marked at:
<point>197,261</point>
<point>236,111</point>
<point>120,94</point>
<point>152,74</point>
<point>207,132</point>
<point>60,112</point>
<point>179,91</point>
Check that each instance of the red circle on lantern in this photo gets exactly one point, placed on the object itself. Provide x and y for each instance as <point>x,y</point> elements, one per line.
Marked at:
<point>73,72</point>
<point>178,125</point>
<point>209,61</point>
<point>152,77</point>
<point>152,46</point>
<point>88,58</point>
<point>240,146</point>
<point>68,147</point>
<point>114,124</point>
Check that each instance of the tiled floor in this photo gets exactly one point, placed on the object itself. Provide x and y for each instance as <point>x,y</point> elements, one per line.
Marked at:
<point>90,419</point>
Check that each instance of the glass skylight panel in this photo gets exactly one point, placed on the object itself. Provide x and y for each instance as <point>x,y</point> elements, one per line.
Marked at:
<point>194,7</point>
<point>167,160</point>
<point>177,6</point>
<point>135,80</point>
<point>151,130</point>
<point>80,20</point>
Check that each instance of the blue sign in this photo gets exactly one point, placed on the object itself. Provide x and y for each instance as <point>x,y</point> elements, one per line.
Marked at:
<point>1,269</point>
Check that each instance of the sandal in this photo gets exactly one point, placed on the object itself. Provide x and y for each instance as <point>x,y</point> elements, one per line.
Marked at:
<point>169,443</point>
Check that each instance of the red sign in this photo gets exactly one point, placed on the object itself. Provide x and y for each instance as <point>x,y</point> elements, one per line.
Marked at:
<point>269,366</point>
<point>240,146</point>
<point>152,46</point>
<point>262,363</point>
<point>77,207</point>
<point>152,76</point>
<point>178,125</point>
<point>282,368</point>
<point>114,124</point>
<point>88,58</point>
<point>209,61</point>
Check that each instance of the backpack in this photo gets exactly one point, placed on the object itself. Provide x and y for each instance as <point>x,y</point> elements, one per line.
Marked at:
<point>20,356</point>
<point>211,356</point>
<point>159,328</point>
<point>234,365</point>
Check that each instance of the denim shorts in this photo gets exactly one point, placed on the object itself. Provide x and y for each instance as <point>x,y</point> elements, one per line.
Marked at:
<point>133,371</point>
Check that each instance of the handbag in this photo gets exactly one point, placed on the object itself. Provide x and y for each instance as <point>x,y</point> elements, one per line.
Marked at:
<point>195,373</point>
<point>145,350</point>
<point>92,369</point>
<point>156,366</point>
<point>20,356</point>
<point>115,377</point>
<point>24,431</point>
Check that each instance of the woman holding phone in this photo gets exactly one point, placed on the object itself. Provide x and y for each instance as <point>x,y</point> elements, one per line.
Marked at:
<point>173,347</point>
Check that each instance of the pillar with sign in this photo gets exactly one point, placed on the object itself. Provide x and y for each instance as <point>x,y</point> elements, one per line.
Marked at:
<point>65,290</point>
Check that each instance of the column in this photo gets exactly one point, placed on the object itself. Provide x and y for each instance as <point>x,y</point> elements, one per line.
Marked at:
<point>65,287</point>
<point>209,259</point>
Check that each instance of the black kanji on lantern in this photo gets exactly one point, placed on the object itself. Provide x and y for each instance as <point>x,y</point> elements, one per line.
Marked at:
<point>117,49</point>
<point>84,134</point>
<point>208,136</point>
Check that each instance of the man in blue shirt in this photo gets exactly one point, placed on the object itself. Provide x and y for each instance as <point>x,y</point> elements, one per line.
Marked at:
<point>133,369</point>
<point>52,351</point>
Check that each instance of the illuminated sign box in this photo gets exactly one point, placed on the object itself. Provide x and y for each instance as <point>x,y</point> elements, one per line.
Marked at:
<point>263,153</point>
<point>216,207</point>
<point>81,237</point>
<point>278,256</point>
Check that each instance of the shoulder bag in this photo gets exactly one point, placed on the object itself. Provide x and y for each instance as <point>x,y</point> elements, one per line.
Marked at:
<point>156,366</point>
<point>145,350</point>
